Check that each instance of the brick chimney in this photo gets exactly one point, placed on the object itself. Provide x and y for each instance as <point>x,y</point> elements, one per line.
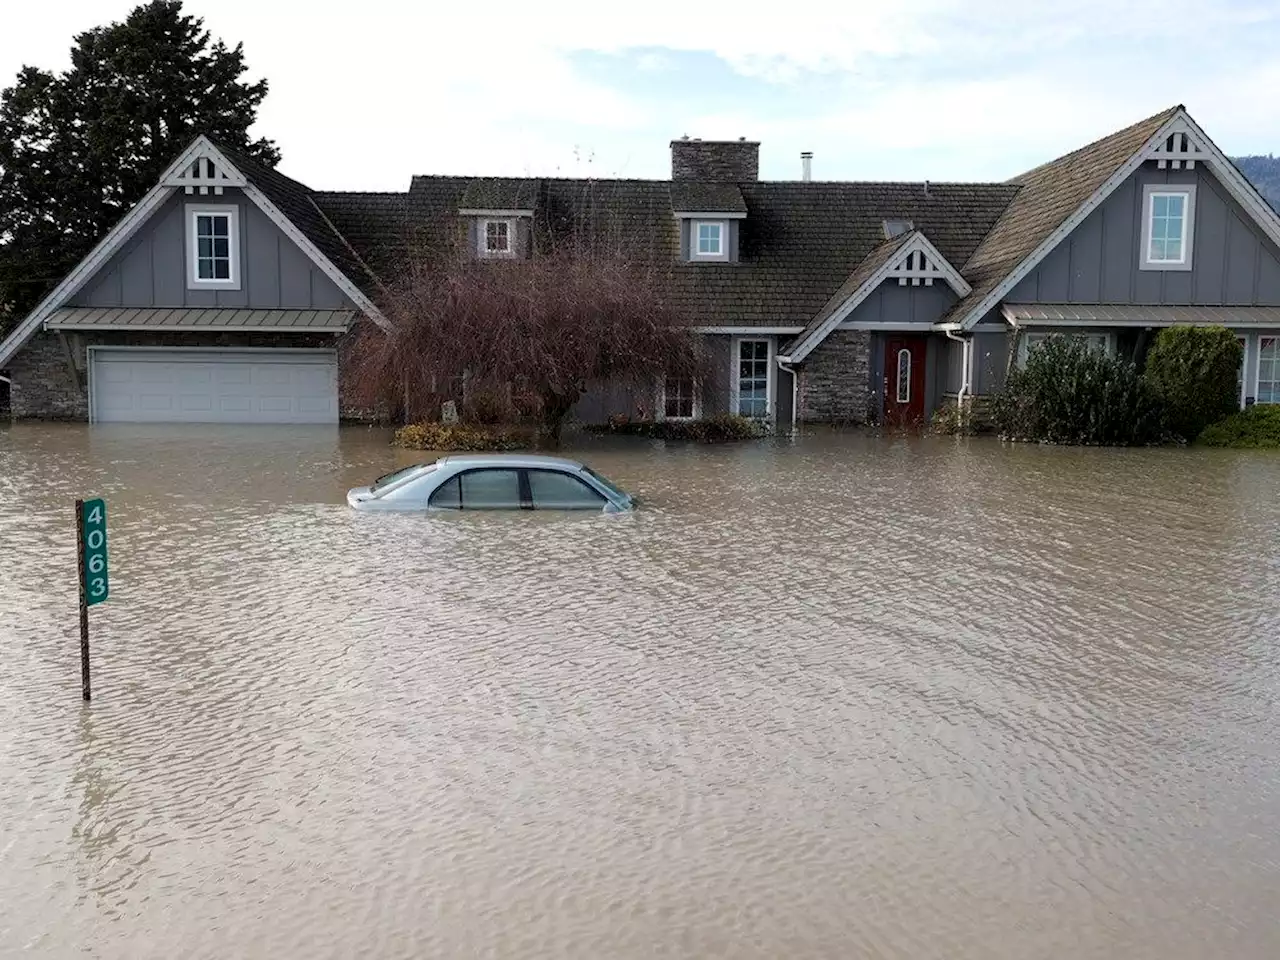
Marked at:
<point>717,161</point>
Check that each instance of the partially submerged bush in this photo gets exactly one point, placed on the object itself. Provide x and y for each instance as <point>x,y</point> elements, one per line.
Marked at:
<point>467,438</point>
<point>1256,428</point>
<point>953,420</point>
<point>1191,372</point>
<point>721,428</point>
<point>1070,393</point>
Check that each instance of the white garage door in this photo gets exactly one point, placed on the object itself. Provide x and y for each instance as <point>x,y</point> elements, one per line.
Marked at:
<point>214,386</point>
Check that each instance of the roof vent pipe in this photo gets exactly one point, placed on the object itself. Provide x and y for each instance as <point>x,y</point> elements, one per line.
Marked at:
<point>806,165</point>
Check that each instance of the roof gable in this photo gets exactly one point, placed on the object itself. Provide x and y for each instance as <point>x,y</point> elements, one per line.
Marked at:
<point>204,169</point>
<point>1055,198</point>
<point>909,258</point>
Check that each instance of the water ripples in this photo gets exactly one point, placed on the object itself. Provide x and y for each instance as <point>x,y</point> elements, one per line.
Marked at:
<point>848,697</point>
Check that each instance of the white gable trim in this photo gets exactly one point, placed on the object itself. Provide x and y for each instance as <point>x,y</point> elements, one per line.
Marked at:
<point>916,261</point>
<point>1168,145</point>
<point>201,166</point>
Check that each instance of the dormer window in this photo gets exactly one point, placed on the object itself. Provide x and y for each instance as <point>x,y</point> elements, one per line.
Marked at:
<point>1167,226</point>
<point>213,247</point>
<point>496,238</point>
<point>709,240</point>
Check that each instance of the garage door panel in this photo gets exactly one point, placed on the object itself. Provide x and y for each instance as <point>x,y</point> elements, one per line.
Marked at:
<point>217,386</point>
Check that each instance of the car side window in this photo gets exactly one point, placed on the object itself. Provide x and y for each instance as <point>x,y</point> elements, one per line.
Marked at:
<point>555,490</point>
<point>491,490</point>
<point>447,496</point>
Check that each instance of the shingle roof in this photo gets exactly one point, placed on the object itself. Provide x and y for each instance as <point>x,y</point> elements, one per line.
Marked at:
<point>860,275</point>
<point>707,198</point>
<point>1048,195</point>
<point>499,193</point>
<point>295,201</point>
<point>802,244</point>
<point>799,241</point>
<point>374,224</point>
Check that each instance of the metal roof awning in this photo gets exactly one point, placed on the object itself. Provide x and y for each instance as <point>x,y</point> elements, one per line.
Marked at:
<point>1125,315</point>
<point>201,319</point>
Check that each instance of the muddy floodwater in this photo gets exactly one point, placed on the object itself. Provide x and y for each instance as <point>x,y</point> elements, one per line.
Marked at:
<point>846,697</point>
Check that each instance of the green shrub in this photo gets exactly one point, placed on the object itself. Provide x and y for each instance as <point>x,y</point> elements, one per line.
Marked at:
<point>1252,429</point>
<point>1192,375</point>
<point>1069,393</point>
<point>463,437</point>
<point>721,428</point>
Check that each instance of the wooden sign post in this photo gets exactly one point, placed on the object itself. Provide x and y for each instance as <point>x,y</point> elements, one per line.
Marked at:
<point>91,553</point>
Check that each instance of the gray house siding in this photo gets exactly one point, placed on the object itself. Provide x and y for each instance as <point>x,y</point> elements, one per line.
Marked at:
<point>1233,262</point>
<point>990,360</point>
<point>892,303</point>
<point>151,269</point>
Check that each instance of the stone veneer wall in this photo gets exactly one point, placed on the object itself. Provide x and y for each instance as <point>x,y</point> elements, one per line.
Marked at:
<point>835,381</point>
<point>44,388</point>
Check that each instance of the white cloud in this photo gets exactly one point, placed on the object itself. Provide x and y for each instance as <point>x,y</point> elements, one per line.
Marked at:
<point>365,94</point>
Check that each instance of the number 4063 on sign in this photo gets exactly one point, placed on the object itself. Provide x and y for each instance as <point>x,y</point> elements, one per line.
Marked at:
<point>95,551</point>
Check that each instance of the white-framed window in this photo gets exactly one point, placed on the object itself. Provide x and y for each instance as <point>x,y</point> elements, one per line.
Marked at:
<point>497,238</point>
<point>678,398</point>
<point>709,240</point>
<point>1102,342</point>
<point>213,246</point>
<point>1168,222</point>
<point>1267,389</point>
<point>753,378</point>
<point>904,376</point>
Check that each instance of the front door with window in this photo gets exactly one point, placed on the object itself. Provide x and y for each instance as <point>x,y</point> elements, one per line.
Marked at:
<point>904,379</point>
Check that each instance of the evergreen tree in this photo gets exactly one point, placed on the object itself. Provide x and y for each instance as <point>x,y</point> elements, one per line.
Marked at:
<point>78,149</point>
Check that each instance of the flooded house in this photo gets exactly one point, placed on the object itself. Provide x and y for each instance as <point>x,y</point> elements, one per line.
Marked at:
<point>230,291</point>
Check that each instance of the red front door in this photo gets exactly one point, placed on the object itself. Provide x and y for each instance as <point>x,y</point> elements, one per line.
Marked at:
<point>904,379</point>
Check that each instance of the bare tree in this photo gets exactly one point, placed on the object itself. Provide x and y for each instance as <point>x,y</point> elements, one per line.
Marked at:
<point>535,332</point>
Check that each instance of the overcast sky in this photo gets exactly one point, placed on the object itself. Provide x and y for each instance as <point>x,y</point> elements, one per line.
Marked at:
<point>366,93</point>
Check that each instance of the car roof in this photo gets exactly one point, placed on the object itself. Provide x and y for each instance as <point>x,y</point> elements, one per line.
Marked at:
<point>510,460</point>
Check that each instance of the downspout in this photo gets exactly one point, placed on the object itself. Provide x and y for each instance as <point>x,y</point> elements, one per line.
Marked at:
<point>966,357</point>
<point>784,363</point>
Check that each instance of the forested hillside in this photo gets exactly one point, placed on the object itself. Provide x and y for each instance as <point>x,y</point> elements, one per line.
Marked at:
<point>1265,174</point>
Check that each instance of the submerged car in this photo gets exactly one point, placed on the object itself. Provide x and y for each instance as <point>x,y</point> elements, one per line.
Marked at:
<point>492,482</point>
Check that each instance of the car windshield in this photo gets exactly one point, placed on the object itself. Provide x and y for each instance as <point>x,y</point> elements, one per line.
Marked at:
<point>607,484</point>
<point>394,475</point>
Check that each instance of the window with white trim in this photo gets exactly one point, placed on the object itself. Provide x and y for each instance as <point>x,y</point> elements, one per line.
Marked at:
<point>1268,370</point>
<point>679,398</point>
<point>1100,342</point>
<point>497,238</point>
<point>904,376</point>
<point>752,373</point>
<point>709,240</point>
<point>213,246</point>
<point>1168,217</point>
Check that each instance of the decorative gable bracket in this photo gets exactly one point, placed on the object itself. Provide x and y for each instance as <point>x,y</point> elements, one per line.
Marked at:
<point>205,175</point>
<point>1180,148</point>
<point>917,267</point>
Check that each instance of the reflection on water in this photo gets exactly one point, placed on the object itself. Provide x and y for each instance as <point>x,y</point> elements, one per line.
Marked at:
<point>844,697</point>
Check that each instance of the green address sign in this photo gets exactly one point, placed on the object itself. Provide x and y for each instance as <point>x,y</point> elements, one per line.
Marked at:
<point>94,540</point>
